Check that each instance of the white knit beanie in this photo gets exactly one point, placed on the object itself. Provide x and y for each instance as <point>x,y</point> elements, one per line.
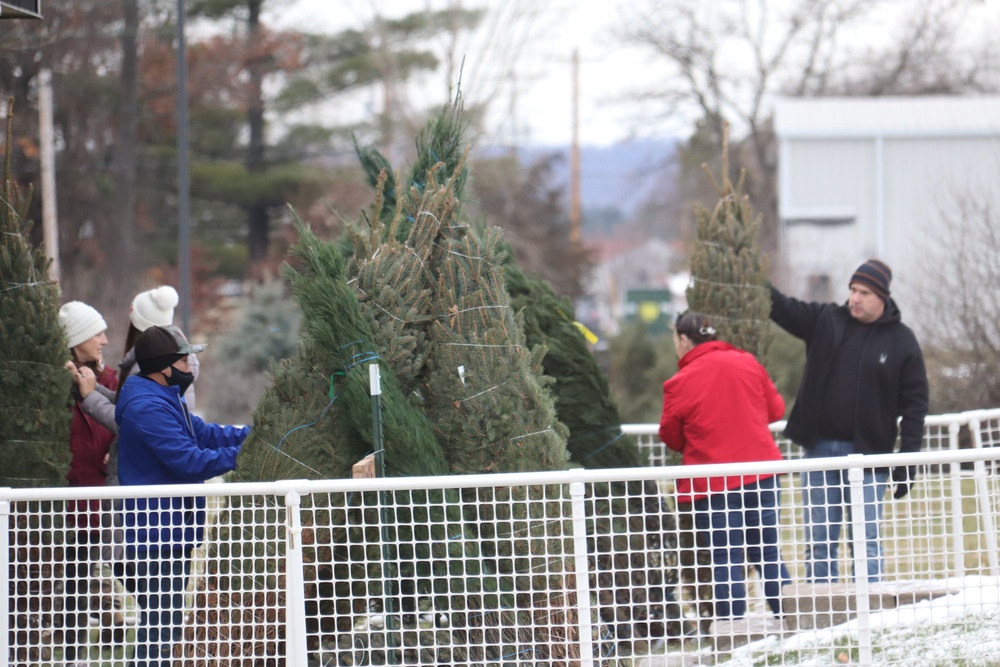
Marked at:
<point>153,308</point>
<point>81,322</point>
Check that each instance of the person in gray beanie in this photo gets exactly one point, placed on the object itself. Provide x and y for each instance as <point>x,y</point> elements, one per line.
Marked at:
<point>864,374</point>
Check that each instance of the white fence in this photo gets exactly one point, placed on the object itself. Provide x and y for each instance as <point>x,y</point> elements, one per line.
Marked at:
<point>570,568</point>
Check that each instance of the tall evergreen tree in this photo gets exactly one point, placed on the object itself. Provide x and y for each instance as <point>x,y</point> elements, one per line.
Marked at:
<point>728,271</point>
<point>34,386</point>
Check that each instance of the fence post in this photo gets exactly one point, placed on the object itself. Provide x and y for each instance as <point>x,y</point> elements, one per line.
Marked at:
<point>983,496</point>
<point>5,575</point>
<point>957,520</point>
<point>582,572</point>
<point>855,477</point>
<point>295,594</point>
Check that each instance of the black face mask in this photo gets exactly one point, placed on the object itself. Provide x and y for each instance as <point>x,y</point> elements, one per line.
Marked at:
<point>179,378</point>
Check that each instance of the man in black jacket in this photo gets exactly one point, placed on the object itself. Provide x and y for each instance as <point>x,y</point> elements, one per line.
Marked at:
<point>864,371</point>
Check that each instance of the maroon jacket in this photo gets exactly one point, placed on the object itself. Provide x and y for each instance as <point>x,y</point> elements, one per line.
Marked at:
<point>716,409</point>
<point>89,443</point>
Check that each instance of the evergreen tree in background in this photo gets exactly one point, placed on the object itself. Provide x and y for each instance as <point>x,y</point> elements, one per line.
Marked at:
<point>233,374</point>
<point>728,271</point>
<point>34,386</point>
<point>267,328</point>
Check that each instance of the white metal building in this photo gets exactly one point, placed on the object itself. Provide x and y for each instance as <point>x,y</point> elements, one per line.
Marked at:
<point>875,177</point>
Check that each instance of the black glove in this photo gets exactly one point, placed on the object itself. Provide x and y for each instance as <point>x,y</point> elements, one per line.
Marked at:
<point>903,478</point>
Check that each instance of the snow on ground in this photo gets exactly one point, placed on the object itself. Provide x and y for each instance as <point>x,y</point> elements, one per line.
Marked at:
<point>958,629</point>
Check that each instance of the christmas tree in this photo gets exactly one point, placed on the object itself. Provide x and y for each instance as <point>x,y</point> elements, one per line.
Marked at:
<point>728,271</point>
<point>34,386</point>
<point>433,286</point>
<point>576,383</point>
<point>316,420</point>
<point>580,388</point>
<point>420,288</point>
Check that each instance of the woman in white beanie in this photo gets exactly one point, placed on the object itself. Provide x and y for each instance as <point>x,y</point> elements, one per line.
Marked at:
<point>89,440</point>
<point>152,308</point>
<point>89,444</point>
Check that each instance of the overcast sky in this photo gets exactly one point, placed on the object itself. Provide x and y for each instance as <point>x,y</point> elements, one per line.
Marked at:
<point>542,108</point>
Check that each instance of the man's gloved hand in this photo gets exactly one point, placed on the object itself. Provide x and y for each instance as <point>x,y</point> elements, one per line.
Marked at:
<point>903,478</point>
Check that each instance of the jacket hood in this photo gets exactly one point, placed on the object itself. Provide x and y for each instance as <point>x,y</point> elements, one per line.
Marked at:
<point>891,314</point>
<point>138,388</point>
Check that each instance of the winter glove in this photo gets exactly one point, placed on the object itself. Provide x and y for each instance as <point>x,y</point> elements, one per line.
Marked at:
<point>903,478</point>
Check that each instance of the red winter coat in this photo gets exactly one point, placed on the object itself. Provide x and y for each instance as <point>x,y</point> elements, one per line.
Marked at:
<point>89,443</point>
<point>716,409</point>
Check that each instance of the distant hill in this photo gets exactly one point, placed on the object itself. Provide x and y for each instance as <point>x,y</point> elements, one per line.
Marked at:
<point>618,176</point>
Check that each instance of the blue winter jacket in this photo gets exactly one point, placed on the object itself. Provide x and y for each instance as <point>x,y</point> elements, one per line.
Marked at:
<point>160,442</point>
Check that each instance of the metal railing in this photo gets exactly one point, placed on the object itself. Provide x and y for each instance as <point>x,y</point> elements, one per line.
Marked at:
<point>567,568</point>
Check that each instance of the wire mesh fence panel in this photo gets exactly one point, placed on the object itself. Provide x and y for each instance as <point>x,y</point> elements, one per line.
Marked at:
<point>234,601</point>
<point>794,562</point>
<point>457,576</point>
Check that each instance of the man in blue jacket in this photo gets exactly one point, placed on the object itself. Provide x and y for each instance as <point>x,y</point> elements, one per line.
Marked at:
<point>160,442</point>
<point>864,372</point>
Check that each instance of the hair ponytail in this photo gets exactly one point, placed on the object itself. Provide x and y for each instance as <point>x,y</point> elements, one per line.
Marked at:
<point>696,326</point>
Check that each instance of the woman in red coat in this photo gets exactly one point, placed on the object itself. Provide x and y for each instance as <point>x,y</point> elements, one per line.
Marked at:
<point>716,409</point>
<point>89,444</point>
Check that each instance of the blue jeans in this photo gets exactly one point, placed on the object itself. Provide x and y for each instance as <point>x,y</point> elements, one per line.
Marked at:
<point>158,580</point>
<point>742,525</point>
<point>825,494</point>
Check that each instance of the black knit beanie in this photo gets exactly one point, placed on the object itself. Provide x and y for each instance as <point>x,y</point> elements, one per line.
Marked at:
<point>875,275</point>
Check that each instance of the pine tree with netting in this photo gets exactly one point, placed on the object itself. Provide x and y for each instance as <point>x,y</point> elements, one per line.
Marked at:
<point>316,420</point>
<point>728,271</point>
<point>428,276</point>
<point>34,386</point>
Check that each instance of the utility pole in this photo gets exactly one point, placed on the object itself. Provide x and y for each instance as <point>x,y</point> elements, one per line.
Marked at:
<point>183,177</point>
<point>50,219</point>
<point>574,159</point>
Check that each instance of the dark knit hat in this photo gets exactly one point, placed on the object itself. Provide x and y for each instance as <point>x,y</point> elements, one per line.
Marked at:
<point>159,347</point>
<point>875,275</point>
